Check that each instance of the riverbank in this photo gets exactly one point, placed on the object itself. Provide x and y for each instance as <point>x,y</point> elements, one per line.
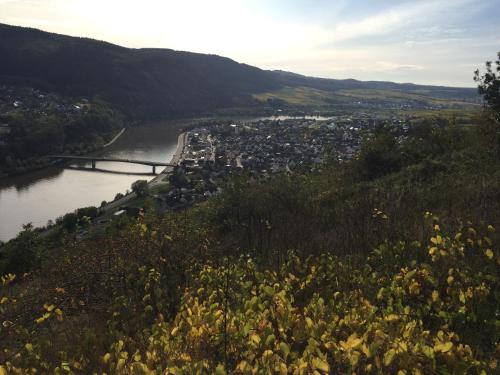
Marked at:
<point>176,159</point>
<point>43,162</point>
<point>181,145</point>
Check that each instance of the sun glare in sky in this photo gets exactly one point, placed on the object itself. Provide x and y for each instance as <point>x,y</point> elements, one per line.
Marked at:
<point>427,41</point>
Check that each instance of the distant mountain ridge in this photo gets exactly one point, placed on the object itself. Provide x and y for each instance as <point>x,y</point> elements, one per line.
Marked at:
<point>151,83</point>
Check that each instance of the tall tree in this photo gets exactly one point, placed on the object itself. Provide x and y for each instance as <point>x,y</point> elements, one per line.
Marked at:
<point>489,86</point>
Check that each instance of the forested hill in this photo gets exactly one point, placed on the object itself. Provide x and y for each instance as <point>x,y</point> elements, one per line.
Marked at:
<point>152,82</point>
<point>158,82</point>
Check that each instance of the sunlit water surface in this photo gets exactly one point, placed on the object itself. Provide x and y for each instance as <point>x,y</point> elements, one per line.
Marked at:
<point>49,193</point>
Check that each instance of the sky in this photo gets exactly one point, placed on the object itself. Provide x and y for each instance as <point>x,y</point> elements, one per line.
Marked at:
<point>439,42</point>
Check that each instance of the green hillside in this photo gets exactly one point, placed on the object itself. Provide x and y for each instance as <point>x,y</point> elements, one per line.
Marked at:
<point>141,82</point>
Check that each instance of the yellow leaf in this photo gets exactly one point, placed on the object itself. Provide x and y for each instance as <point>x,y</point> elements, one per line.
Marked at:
<point>414,288</point>
<point>120,364</point>
<point>267,353</point>
<point>309,322</point>
<point>49,308</point>
<point>443,347</point>
<point>320,364</point>
<point>106,357</point>
<point>352,342</point>
<point>366,350</point>
<point>450,280</point>
<point>433,250</point>
<point>3,370</point>
<point>255,338</point>
<point>461,297</point>
<point>242,366</point>
<point>489,253</point>
<point>389,356</point>
<point>29,347</point>
<point>435,295</point>
<point>60,290</point>
<point>391,317</point>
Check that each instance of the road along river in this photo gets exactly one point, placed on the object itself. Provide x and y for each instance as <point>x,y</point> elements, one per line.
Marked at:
<point>46,194</point>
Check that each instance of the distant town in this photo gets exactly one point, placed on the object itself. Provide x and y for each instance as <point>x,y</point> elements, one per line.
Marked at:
<point>261,149</point>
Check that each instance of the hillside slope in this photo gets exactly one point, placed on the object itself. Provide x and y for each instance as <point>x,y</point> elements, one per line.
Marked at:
<point>142,82</point>
<point>148,83</point>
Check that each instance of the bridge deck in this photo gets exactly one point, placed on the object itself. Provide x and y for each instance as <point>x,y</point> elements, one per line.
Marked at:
<point>96,158</point>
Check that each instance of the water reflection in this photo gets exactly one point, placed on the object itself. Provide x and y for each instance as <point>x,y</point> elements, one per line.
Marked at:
<point>51,192</point>
<point>99,170</point>
<point>23,182</point>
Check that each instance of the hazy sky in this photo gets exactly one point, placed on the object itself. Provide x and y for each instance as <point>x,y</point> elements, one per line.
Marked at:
<point>421,41</point>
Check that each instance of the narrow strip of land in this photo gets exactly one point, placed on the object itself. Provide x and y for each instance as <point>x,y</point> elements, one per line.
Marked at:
<point>176,159</point>
<point>115,138</point>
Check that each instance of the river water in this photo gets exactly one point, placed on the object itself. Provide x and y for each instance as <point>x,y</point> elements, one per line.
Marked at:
<point>49,193</point>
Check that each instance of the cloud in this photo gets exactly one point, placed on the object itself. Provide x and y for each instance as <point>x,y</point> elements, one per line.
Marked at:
<point>399,17</point>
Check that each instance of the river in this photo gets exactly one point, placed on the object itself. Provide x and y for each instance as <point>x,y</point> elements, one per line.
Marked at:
<point>46,194</point>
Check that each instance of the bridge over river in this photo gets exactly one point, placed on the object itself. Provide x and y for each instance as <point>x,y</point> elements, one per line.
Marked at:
<point>95,159</point>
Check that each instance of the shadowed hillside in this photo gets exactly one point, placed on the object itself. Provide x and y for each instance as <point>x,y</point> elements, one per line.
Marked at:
<point>142,82</point>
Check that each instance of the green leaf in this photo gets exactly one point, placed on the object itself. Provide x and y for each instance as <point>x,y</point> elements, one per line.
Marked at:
<point>410,275</point>
<point>220,370</point>
<point>269,290</point>
<point>320,364</point>
<point>270,339</point>
<point>428,351</point>
<point>285,349</point>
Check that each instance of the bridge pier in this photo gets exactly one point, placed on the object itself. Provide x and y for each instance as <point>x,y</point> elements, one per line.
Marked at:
<point>93,164</point>
<point>154,169</point>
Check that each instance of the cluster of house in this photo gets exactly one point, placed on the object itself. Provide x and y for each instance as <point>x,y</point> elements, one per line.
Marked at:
<point>261,149</point>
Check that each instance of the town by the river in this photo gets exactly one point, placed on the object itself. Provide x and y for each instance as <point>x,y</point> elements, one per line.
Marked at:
<point>261,146</point>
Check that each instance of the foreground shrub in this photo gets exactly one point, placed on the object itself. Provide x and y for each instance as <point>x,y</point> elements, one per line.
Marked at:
<point>407,308</point>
